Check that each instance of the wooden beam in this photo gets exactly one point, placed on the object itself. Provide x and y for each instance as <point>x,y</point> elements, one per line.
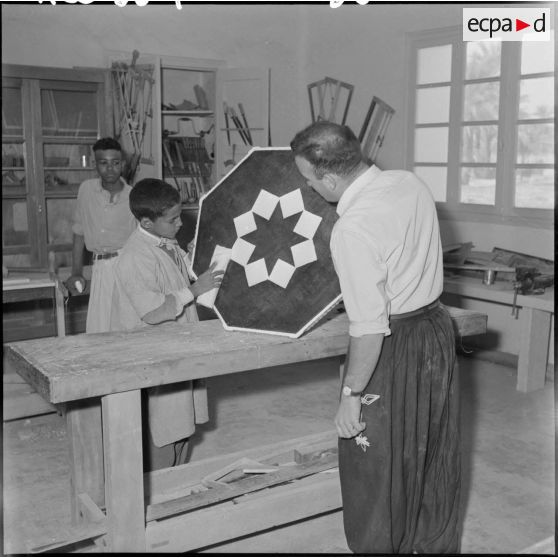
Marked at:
<point>533,349</point>
<point>252,483</point>
<point>249,514</point>
<point>124,472</point>
<point>84,366</point>
<point>84,432</point>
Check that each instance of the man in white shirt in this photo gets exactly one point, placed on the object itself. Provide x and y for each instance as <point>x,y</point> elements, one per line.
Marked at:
<point>398,415</point>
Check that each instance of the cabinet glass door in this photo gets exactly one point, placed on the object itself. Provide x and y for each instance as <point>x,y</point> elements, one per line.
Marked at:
<point>16,246</point>
<point>70,123</point>
<point>49,126</point>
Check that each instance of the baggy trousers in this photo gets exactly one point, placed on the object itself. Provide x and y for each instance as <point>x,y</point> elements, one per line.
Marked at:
<point>401,482</point>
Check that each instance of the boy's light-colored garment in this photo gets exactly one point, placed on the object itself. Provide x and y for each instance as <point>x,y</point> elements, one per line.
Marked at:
<point>145,274</point>
<point>105,226</point>
<point>100,296</point>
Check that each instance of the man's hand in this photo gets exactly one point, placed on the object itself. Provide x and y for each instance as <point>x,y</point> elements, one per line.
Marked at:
<point>347,419</point>
<point>75,284</point>
<point>206,281</point>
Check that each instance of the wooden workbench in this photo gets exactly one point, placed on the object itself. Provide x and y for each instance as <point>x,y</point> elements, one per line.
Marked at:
<point>535,315</point>
<point>109,490</point>
<point>20,400</point>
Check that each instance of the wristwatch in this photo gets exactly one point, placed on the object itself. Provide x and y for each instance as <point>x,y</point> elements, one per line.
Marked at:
<point>349,392</point>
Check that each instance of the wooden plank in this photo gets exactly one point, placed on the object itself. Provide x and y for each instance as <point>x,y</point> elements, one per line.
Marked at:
<point>240,487</point>
<point>306,497</point>
<point>82,366</point>
<point>122,445</point>
<point>157,484</point>
<point>67,537</point>
<point>85,443</point>
<point>468,322</point>
<point>533,349</point>
<point>22,401</point>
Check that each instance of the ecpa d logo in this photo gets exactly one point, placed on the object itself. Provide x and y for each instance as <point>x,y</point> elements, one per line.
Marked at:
<point>515,24</point>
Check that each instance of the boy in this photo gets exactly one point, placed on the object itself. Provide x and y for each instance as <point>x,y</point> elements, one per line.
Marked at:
<point>152,287</point>
<point>102,223</point>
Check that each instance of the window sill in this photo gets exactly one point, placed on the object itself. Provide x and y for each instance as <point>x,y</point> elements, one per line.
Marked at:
<point>482,216</point>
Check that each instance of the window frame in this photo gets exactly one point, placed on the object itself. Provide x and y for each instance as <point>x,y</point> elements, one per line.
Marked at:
<point>503,210</point>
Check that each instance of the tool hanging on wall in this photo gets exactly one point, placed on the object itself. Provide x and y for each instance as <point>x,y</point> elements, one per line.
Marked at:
<point>327,93</point>
<point>241,128</point>
<point>374,128</point>
<point>132,94</point>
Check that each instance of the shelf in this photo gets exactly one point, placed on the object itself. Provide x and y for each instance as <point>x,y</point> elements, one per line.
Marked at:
<point>69,168</point>
<point>199,112</point>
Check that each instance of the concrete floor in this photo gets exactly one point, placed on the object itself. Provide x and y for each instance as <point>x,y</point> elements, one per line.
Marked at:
<point>508,459</point>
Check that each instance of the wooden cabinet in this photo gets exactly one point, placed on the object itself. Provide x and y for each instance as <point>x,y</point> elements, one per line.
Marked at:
<point>191,142</point>
<point>50,119</point>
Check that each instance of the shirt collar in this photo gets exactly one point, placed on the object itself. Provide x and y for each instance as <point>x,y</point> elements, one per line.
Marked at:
<point>363,181</point>
<point>103,191</point>
<point>155,240</point>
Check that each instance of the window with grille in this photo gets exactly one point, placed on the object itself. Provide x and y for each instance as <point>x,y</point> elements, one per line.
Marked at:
<point>481,125</point>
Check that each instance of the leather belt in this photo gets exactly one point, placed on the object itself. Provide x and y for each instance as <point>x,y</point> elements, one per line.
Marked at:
<point>416,312</point>
<point>105,256</point>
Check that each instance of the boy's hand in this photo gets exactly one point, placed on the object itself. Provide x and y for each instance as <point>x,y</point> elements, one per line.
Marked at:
<point>75,284</point>
<point>206,281</point>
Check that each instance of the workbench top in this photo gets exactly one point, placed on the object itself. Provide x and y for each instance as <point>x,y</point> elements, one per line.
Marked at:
<point>500,291</point>
<point>93,365</point>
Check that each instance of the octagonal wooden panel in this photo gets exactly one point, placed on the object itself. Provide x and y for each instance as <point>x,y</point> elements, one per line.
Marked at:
<point>281,278</point>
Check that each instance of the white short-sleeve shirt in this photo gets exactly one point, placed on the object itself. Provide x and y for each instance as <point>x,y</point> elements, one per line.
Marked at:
<point>386,249</point>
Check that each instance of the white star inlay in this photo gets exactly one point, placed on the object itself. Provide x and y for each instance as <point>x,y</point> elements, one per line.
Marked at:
<point>303,253</point>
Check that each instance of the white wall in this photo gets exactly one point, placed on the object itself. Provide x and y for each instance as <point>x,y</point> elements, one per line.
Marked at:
<point>361,45</point>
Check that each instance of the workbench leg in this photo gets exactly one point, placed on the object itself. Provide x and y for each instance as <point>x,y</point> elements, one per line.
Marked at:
<point>85,435</point>
<point>533,348</point>
<point>60,315</point>
<point>125,506</point>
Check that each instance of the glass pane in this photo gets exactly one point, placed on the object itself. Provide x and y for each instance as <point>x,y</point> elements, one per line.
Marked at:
<point>68,155</point>
<point>15,227</point>
<point>13,164</point>
<point>57,179</point>
<point>431,145</point>
<point>434,64</point>
<point>433,105</point>
<point>59,220</point>
<point>12,115</point>
<point>483,59</point>
<point>535,143</point>
<point>536,98</point>
<point>478,186</point>
<point>67,164</point>
<point>436,178</point>
<point>481,101</point>
<point>69,113</point>
<point>537,56</point>
<point>479,144</point>
<point>534,188</point>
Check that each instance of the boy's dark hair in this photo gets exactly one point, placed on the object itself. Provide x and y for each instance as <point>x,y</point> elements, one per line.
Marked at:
<point>105,144</point>
<point>329,147</point>
<point>151,197</point>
